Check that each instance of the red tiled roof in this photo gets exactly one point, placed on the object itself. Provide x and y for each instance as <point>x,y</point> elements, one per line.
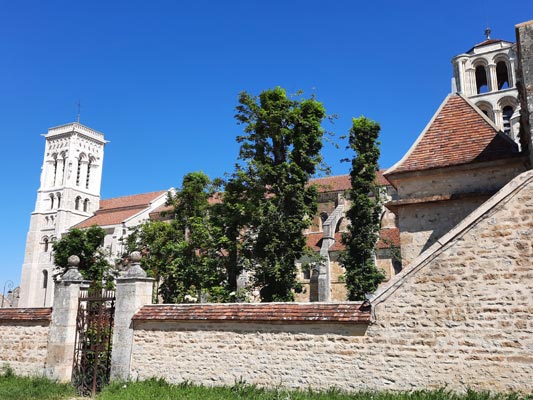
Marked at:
<point>142,199</point>
<point>264,312</point>
<point>458,134</point>
<point>25,314</point>
<point>387,237</point>
<point>116,210</point>
<point>342,182</point>
<point>314,241</point>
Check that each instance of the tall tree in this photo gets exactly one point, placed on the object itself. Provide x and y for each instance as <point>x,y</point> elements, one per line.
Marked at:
<point>280,151</point>
<point>362,275</point>
<point>88,245</point>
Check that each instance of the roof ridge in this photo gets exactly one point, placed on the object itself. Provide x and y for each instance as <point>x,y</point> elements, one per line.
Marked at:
<point>458,133</point>
<point>134,195</point>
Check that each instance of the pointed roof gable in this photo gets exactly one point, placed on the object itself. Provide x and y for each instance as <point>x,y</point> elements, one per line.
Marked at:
<point>488,42</point>
<point>459,133</point>
<point>117,210</point>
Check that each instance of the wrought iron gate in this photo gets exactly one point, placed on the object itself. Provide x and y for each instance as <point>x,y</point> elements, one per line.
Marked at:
<point>92,348</point>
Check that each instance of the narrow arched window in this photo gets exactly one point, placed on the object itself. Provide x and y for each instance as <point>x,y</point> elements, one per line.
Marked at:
<point>58,200</point>
<point>481,79</point>
<point>502,75</point>
<point>486,108</point>
<point>45,279</point>
<point>88,175</point>
<point>51,201</point>
<point>85,205</point>
<point>78,173</point>
<point>77,203</point>
<point>507,114</point>
<point>46,244</point>
<point>55,170</point>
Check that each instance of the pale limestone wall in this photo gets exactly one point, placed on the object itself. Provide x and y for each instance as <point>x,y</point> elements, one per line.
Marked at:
<point>421,225</point>
<point>459,317</point>
<point>426,220</point>
<point>23,346</point>
<point>473,178</point>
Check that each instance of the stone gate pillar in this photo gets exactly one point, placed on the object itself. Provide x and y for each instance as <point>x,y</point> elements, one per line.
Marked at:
<point>62,333</point>
<point>134,290</point>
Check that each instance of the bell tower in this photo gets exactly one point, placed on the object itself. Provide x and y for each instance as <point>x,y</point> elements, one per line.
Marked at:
<point>69,192</point>
<point>486,74</point>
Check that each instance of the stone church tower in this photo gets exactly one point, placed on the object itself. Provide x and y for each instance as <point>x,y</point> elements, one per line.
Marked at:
<point>69,193</point>
<point>486,75</point>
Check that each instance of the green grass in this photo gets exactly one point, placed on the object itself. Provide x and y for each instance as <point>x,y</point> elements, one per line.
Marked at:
<point>18,388</point>
<point>160,390</point>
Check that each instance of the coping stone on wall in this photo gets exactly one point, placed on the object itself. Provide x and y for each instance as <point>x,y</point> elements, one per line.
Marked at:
<point>26,314</point>
<point>339,313</point>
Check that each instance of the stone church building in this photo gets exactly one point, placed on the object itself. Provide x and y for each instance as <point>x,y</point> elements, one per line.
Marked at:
<point>478,140</point>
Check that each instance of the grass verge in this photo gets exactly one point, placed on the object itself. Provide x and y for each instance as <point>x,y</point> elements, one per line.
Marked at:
<point>161,390</point>
<point>22,388</point>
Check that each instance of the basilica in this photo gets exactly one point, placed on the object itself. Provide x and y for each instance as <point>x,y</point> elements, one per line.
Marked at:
<point>478,140</point>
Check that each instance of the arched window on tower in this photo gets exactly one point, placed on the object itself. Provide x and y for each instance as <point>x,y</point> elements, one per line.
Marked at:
<point>486,108</point>
<point>502,75</point>
<point>88,174</point>
<point>78,172</point>
<point>58,195</point>
<point>51,201</point>
<point>481,79</point>
<point>77,203</point>
<point>55,170</point>
<point>46,244</point>
<point>86,205</point>
<point>507,114</point>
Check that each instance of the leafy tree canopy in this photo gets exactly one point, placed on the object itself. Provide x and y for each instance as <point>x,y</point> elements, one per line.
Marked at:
<point>362,275</point>
<point>269,191</point>
<point>87,244</point>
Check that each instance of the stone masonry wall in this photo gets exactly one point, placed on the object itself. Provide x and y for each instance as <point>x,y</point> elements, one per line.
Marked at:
<point>23,339</point>
<point>421,225</point>
<point>460,316</point>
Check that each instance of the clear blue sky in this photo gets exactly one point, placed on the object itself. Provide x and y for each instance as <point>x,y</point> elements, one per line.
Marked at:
<point>161,79</point>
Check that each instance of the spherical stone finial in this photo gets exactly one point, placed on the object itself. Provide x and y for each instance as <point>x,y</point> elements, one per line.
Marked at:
<point>135,270</point>
<point>72,274</point>
<point>135,257</point>
<point>73,261</point>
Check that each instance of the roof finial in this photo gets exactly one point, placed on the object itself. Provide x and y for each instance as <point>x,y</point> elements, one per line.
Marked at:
<point>487,33</point>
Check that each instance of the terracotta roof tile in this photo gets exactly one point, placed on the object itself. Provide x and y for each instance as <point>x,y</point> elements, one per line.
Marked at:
<point>387,238</point>
<point>25,314</point>
<point>115,211</point>
<point>458,134</point>
<point>265,312</point>
<point>141,199</point>
<point>342,182</point>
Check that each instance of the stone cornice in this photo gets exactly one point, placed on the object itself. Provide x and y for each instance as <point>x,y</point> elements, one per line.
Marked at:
<point>77,128</point>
